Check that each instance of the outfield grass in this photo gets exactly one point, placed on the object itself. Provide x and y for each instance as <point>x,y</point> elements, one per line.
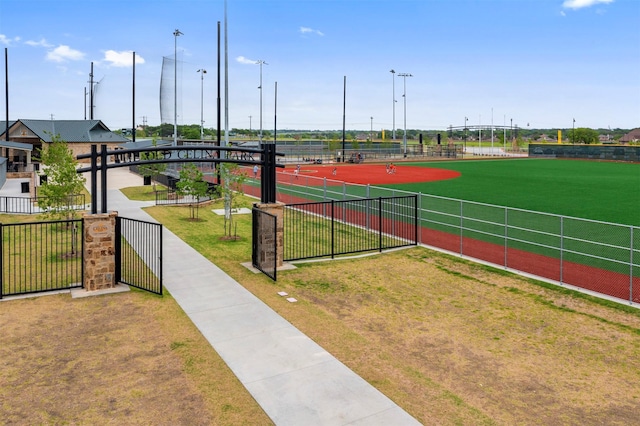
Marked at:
<point>605,191</point>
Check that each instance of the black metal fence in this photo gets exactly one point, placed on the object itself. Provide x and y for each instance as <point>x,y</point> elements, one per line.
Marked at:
<point>40,256</point>
<point>171,197</point>
<point>139,254</point>
<point>264,254</point>
<point>31,205</point>
<point>333,228</point>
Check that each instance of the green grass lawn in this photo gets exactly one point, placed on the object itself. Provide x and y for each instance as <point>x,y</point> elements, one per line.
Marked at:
<point>605,191</point>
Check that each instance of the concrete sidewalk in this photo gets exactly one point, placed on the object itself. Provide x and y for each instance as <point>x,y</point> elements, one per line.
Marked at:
<point>295,380</point>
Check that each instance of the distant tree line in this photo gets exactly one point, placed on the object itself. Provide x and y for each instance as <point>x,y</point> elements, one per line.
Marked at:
<point>192,131</point>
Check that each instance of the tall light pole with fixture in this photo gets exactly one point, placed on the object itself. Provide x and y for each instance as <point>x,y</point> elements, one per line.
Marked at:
<point>371,132</point>
<point>404,76</point>
<point>176,34</point>
<point>393,131</point>
<point>260,62</point>
<point>466,129</point>
<point>202,72</point>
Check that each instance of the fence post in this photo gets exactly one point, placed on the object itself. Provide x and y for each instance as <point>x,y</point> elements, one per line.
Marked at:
<point>333,219</point>
<point>630,264</point>
<point>103,177</point>
<point>118,250</point>
<point>561,247</point>
<point>415,218</point>
<point>419,218</point>
<point>380,224</point>
<point>461,228</point>
<point>1,259</point>
<point>324,185</point>
<point>506,236</point>
<point>94,179</point>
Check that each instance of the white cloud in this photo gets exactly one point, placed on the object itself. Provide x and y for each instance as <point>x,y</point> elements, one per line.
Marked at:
<point>42,42</point>
<point>6,40</point>
<point>307,30</point>
<point>121,59</point>
<point>243,60</point>
<point>579,4</point>
<point>64,53</point>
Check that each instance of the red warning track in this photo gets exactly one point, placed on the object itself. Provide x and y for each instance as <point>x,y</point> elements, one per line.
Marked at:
<point>373,174</point>
<point>614,284</point>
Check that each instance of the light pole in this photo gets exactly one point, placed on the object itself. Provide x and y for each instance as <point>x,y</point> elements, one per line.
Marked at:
<point>371,132</point>
<point>573,132</point>
<point>466,129</point>
<point>176,34</point>
<point>261,62</point>
<point>404,76</point>
<point>393,76</point>
<point>202,72</point>
<point>249,127</point>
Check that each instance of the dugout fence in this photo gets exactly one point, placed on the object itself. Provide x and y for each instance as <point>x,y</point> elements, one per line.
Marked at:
<point>592,255</point>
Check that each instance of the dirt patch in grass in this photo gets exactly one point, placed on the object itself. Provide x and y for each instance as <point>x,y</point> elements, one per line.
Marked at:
<point>127,358</point>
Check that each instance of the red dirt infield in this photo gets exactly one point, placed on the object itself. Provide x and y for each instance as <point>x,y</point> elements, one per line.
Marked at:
<point>372,173</point>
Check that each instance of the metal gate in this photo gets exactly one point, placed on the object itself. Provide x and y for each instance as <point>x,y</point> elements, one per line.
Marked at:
<point>139,254</point>
<point>264,253</point>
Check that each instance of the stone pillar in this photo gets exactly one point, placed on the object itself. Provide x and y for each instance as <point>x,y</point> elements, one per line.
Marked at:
<point>265,235</point>
<point>99,251</point>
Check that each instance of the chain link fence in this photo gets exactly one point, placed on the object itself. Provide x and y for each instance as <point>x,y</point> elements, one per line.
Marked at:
<point>592,255</point>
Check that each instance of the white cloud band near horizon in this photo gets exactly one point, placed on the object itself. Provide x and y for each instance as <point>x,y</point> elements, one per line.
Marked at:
<point>579,4</point>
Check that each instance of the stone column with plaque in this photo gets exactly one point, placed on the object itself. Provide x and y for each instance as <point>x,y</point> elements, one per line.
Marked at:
<point>99,251</point>
<point>266,235</point>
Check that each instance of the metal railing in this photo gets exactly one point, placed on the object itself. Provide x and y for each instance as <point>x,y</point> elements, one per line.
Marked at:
<point>40,256</point>
<point>170,197</point>
<point>30,205</point>
<point>598,256</point>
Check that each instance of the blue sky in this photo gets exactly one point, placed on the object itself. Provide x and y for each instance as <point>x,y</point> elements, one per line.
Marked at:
<point>540,63</point>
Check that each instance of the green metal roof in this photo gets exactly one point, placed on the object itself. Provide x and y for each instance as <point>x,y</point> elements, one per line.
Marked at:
<point>71,131</point>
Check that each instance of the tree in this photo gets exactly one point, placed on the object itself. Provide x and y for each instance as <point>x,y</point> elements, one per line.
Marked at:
<point>583,135</point>
<point>63,181</point>
<point>190,133</point>
<point>231,190</point>
<point>192,184</point>
<point>152,170</point>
